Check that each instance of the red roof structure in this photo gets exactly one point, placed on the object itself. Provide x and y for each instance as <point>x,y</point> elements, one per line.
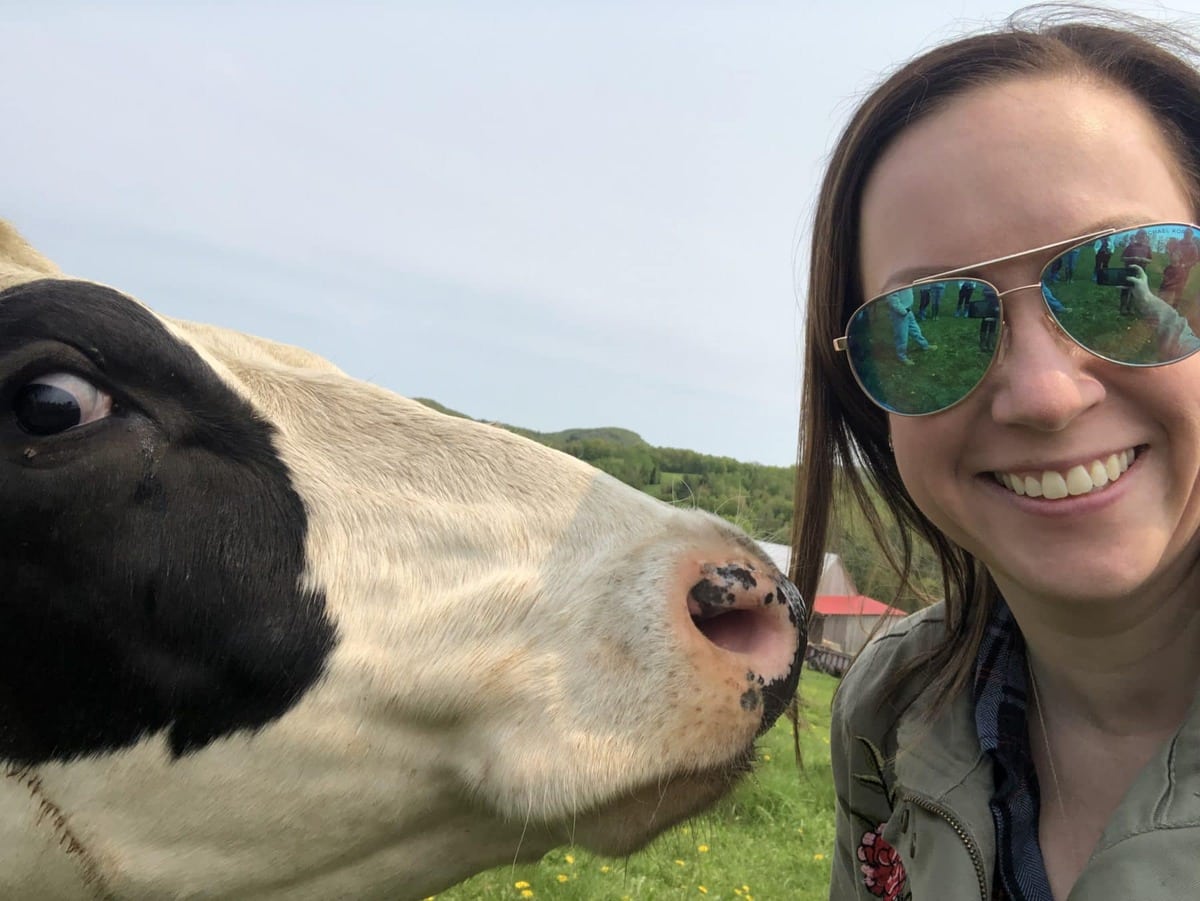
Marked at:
<point>852,605</point>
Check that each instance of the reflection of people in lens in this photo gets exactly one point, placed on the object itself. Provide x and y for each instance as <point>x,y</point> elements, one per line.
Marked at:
<point>1103,255</point>
<point>965,290</point>
<point>991,316</point>
<point>1055,305</point>
<point>931,300</point>
<point>1171,328</point>
<point>936,290</point>
<point>1136,253</point>
<point>1070,258</point>
<point>1182,254</point>
<point>904,325</point>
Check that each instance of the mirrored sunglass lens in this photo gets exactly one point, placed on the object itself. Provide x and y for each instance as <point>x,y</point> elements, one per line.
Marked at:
<point>922,349</point>
<point>1130,296</point>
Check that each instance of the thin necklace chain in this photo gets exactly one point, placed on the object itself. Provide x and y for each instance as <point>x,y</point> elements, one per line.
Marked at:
<point>1058,793</point>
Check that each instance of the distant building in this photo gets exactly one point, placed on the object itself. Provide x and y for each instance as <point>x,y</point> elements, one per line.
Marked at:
<point>842,618</point>
<point>847,622</point>
<point>834,578</point>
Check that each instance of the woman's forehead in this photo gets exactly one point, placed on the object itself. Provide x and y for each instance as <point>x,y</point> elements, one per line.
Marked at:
<point>1012,166</point>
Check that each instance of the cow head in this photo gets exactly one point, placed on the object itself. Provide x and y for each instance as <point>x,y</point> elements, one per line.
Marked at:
<point>268,631</point>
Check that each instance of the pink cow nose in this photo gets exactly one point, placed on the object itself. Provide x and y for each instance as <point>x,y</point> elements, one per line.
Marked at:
<point>756,622</point>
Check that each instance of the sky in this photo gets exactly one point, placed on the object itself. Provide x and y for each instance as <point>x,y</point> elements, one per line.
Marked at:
<point>550,214</point>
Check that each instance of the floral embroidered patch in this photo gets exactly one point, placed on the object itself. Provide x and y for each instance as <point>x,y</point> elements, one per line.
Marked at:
<point>883,873</point>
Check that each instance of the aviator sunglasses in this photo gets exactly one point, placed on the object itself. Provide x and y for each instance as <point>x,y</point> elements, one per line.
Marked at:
<point>1124,295</point>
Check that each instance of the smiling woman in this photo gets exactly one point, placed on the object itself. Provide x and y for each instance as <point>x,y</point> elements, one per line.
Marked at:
<point>1036,735</point>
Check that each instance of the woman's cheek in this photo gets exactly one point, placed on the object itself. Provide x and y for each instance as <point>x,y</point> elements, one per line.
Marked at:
<point>926,461</point>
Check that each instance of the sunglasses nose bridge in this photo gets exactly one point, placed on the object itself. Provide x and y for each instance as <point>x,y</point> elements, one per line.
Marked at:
<point>1051,320</point>
<point>1046,304</point>
<point>1037,285</point>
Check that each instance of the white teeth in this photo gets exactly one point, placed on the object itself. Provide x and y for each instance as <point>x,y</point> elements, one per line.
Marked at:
<point>1113,466</point>
<point>1054,486</point>
<point>1078,479</point>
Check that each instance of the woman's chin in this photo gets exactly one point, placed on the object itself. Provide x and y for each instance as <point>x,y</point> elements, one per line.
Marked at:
<point>1100,579</point>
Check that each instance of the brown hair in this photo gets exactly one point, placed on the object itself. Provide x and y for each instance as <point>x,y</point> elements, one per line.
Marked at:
<point>843,436</point>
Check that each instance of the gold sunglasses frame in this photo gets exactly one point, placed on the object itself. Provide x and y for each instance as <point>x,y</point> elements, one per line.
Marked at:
<point>841,343</point>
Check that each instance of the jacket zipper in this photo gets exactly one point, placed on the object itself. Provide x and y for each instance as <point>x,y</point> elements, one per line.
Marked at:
<point>957,826</point>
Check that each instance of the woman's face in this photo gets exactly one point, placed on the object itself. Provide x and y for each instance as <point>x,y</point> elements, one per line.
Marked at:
<point>998,170</point>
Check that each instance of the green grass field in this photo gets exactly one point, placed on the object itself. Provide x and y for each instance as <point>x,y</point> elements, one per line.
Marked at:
<point>770,840</point>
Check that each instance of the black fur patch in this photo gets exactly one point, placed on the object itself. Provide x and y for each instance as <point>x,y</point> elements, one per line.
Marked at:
<point>149,561</point>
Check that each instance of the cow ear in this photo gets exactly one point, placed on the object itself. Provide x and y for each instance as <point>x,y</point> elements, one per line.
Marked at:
<point>19,262</point>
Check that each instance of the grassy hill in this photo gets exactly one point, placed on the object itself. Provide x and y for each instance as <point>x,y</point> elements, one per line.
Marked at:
<point>611,434</point>
<point>754,497</point>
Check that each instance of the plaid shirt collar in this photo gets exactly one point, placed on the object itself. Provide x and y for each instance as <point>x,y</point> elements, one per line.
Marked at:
<point>1001,707</point>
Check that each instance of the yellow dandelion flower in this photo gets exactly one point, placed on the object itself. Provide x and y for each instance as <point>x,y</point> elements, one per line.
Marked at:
<point>562,877</point>
<point>702,890</point>
<point>521,884</point>
<point>745,888</point>
<point>818,857</point>
<point>766,757</point>
<point>703,849</point>
<point>738,892</point>
<point>680,863</point>
<point>606,869</point>
<point>570,858</point>
<point>526,893</point>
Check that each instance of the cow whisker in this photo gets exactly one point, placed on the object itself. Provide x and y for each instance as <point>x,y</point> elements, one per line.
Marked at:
<point>574,815</point>
<point>662,795</point>
<point>524,829</point>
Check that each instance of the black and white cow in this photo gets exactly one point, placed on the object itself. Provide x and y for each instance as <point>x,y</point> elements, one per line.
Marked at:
<point>267,631</point>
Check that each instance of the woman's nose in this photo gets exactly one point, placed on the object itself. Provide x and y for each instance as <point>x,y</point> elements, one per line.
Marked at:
<point>1043,380</point>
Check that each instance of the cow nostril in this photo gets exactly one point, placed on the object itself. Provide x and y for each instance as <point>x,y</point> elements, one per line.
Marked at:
<point>739,631</point>
<point>747,624</point>
<point>739,610</point>
<point>731,616</point>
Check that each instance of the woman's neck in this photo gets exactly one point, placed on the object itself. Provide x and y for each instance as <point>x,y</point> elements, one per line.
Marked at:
<point>1121,667</point>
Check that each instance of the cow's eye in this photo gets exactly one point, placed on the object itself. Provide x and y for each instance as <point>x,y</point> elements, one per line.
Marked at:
<point>59,401</point>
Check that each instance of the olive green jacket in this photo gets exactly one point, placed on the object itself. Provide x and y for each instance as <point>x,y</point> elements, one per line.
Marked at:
<point>913,820</point>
